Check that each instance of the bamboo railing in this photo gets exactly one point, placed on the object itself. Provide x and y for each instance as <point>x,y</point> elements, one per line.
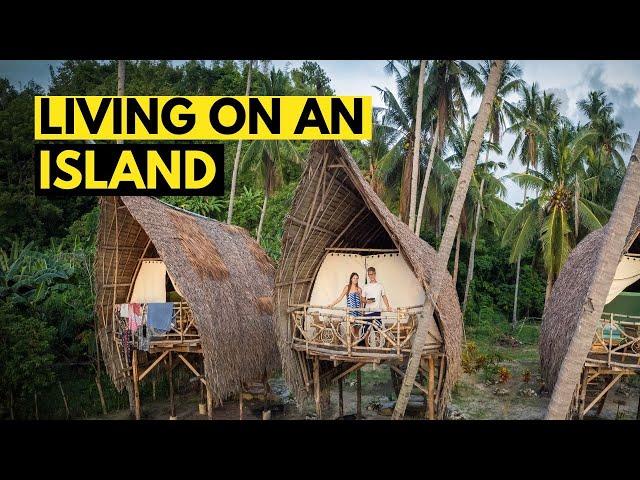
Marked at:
<point>347,332</point>
<point>182,330</point>
<point>617,342</point>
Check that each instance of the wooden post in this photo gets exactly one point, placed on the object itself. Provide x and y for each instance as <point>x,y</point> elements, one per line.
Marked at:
<point>316,386</point>
<point>172,403</point>
<point>209,401</point>
<point>430,389</point>
<point>202,406</point>
<point>358,394</point>
<point>583,393</point>
<point>340,401</point>
<point>136,386</point>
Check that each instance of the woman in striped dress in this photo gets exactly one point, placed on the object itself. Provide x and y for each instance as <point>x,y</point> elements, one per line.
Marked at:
<point>354,297</point>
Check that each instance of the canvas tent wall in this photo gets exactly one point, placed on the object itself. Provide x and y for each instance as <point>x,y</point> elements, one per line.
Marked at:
<point>221,272</point>
<point>562,312</point>
<point>400,283</point>
<point>335,207</point>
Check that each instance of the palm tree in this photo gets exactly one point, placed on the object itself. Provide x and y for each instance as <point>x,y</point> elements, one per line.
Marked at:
<point>457,145</point>
<point>609,139</point>
<point>236,160</point>
<point>416,147</point>
<point>531,115</point>
<point>445,97</point>
<point>399,114</point>
<point>376,151</point>
<point>502,112</point>
<point>557,184</point>
<point>615,236</point>
<point>487,195</point>
<point>453,220</point>
<point>267,158</point>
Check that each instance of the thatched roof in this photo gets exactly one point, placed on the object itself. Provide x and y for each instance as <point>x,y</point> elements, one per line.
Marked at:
<point>334,206</point>
<point>220,270</point>
<point>563,309</point>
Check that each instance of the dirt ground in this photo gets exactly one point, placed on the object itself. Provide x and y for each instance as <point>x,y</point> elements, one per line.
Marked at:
<point>475,397</point>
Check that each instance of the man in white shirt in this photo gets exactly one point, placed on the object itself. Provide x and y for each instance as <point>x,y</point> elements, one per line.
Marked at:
<point>373,295</point>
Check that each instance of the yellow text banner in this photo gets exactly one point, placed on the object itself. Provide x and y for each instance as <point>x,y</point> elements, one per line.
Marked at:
<point>203,118</point>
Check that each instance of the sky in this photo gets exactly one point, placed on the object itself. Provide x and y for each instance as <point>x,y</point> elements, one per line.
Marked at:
<point>569,80</point>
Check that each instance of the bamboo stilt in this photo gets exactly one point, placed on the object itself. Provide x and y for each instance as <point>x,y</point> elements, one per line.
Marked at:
<point>241,405</point>
<point>209,402</point>
<point>340,400</point>
<point>202,406</point>
<point>136,387</point>
<point>358,394</point>
<point>172,404</point>
<point>316,386</point>
<point>430,394</point>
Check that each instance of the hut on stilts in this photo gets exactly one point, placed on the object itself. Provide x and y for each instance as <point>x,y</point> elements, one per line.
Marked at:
<point>176,288</point>
<point>338,225</point>
<point>615,352</point>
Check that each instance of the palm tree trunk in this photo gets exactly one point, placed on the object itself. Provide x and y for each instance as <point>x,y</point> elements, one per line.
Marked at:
<point>405,186</point>
<point>615,235</point>
<point>576,217</point>
<point>120,92</point>
<point>425,181</point>
<point>415,172</point>
<point>236,160</point>
<point>472,253</point>
<point>453,220</point>
<point>121,76</point>
<point>264,209</point>
<point>456,259</point>
<point>549,286</point>
<point>514,317</point>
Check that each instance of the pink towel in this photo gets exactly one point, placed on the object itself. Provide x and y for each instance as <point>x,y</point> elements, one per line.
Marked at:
<point>135,316</point>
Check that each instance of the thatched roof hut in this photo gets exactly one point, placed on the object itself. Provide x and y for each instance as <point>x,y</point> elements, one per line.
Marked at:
<point>335,207</point>
<point>564,307</point>
<point>221,272</point>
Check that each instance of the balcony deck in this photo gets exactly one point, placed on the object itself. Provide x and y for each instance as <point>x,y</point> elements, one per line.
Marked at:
<point>616,344</point>
<point>183,335</point>
<point>342,334</point>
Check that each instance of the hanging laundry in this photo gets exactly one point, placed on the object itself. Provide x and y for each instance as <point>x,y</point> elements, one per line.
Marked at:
<point>143,338</point>
<point>124,310</point>
<point>159,316</point>
<point>126,346</point>
<point>135,316</point>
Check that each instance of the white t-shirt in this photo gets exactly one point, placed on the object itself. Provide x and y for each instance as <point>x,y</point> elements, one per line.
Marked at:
<point>375,291</point>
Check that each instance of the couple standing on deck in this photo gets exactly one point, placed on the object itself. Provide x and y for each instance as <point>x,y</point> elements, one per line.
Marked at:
<point>371,295</point>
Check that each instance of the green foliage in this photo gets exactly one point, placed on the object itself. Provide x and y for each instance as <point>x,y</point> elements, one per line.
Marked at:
<point>277,208</point>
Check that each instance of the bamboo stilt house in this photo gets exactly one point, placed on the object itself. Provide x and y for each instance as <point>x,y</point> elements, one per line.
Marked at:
<point>615,352</point>
<point>338,225</point>
<point>217,280</point>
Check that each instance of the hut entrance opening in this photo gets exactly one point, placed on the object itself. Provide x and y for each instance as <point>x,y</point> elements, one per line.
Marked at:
<point>615,352</point>
<point>365,333</point>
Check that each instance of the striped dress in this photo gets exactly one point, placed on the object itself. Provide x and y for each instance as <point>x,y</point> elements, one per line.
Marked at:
<point>353,301</point>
